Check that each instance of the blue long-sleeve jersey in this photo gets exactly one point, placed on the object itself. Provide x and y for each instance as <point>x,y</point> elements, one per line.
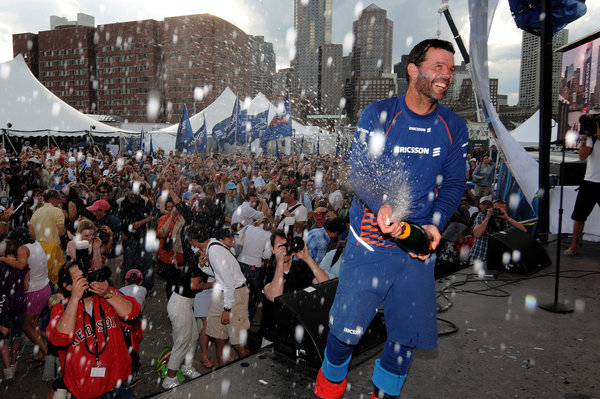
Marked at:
<point>415,163</point>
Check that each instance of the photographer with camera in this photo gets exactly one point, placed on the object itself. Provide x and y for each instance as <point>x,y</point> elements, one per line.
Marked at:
<point>285,274</point>
<point>589,190</point>
<point>86,231</point>
<point>492,219</point>
<point>87,329</point>
<point>109,232</point>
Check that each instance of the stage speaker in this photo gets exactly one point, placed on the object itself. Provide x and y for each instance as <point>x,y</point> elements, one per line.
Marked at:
<point>297,324</point>
<point>573,173</point>
<point>516,251</point>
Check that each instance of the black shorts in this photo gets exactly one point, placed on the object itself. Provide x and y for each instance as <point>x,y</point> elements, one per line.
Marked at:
<point>587,198</point>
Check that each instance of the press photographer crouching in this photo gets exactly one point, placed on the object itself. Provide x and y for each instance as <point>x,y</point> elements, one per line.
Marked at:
<point>492,219</point>
<point>285,274</point>
<point>86,328</point>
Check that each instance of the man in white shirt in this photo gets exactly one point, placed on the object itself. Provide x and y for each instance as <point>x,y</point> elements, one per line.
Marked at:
<point>228,313</point>
<point>336,198</point>
<point>291,214</point>
<point>589,190</point>
<point>253,208</point>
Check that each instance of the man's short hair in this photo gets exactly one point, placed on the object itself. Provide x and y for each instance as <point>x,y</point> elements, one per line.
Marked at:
<point>197,232</point>
<point>250,193</point>
<point>419,52</point>
<point>277,233</point>
<point>292,190</point>
<point>50,194</point>
<point>64,277</point>
<point>335,225</point>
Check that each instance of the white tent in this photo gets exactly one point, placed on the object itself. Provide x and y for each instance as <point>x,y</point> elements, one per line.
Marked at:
<point>219,110</point>
<point>33,110</point>
<point>528,133</point>
<point>222,109</point>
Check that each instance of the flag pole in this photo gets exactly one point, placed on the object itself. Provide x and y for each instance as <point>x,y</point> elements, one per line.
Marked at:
<point>237,110</point>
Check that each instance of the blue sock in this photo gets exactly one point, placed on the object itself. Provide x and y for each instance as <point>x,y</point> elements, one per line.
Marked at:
<point>337,359</point>
<point>396,358</point>
<point>337,351</point>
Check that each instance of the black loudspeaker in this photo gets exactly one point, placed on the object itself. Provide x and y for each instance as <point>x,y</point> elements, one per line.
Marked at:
<point>297,324</point>
<point>517,252</point>
<point>573,173</point>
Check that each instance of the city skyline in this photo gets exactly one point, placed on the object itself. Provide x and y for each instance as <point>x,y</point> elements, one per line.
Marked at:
<point>275,20</point>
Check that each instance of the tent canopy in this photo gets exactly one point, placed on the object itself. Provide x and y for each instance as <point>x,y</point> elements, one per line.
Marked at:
<point>33,110</point>
<point>528,133</point>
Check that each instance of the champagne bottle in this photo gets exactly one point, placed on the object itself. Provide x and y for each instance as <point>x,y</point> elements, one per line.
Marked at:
<point>414,238</point>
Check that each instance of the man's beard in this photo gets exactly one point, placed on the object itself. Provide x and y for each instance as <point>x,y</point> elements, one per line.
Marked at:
<point>424,86</point>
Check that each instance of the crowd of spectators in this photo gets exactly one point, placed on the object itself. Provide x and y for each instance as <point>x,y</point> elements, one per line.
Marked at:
<point>153,219</point>
<point>141,215</point>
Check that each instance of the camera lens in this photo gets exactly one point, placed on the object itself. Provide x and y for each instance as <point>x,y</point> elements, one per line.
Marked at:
<point>295,245</point>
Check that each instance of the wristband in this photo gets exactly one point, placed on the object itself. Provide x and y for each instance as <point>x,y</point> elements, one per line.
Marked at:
<point>109,294</point>
<point>227,309</point>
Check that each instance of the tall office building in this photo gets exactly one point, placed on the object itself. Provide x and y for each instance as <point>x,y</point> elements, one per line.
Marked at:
<point>371,52</point>
<point>262,65</point>
<point>283,82</point>
<point>117,68</point>
<point>529,84</point>
<point>400,71</point>
<point>373,41</point>
<point>331,79</point>
<point>312,21</point>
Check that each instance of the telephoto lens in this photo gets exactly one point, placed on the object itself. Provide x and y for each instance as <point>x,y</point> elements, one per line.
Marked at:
<point>294,245</point>
<point>82,254</point>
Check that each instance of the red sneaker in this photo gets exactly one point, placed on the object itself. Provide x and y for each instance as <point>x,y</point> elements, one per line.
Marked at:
<point>326,389</point>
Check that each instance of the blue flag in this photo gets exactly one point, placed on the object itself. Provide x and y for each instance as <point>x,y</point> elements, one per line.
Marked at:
<point>184,131</point>
<point>141,145</point>
<point>281,124</point>
<point>224,131</point>
<point>277,149</point>
<point>258,125</point>
<point>219,129</point>
<point>200,138</point>
<point>242,122</point>
<point>302,145</point>
<point>151,148</point>
<point>231,129</point>
<point>130,145</point>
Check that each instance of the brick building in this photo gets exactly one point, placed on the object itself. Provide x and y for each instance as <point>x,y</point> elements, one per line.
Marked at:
<point>116,68</point>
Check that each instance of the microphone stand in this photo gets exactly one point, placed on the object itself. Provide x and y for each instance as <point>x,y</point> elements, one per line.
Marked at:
<point>556,307</point>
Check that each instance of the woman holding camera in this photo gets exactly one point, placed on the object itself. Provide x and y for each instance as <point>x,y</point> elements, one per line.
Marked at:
<point>87,230</point>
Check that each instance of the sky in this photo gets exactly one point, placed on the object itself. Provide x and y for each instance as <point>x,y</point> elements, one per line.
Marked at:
<point>274,19</point>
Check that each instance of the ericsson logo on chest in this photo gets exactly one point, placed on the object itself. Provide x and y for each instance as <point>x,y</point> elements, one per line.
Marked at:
<point>419,129</point>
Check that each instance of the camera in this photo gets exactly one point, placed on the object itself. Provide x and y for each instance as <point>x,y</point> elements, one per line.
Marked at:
<point>83,262</point>
<point>103,235</point>
<point>497,212</point>
<point>102,274</point>
<point>588,125</point>
<point>294,245</point>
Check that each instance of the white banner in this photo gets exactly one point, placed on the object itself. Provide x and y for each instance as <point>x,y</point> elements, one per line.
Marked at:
<point>522,165</point>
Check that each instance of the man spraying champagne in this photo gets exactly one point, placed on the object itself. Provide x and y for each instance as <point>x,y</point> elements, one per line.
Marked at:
<point>407,163</point>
